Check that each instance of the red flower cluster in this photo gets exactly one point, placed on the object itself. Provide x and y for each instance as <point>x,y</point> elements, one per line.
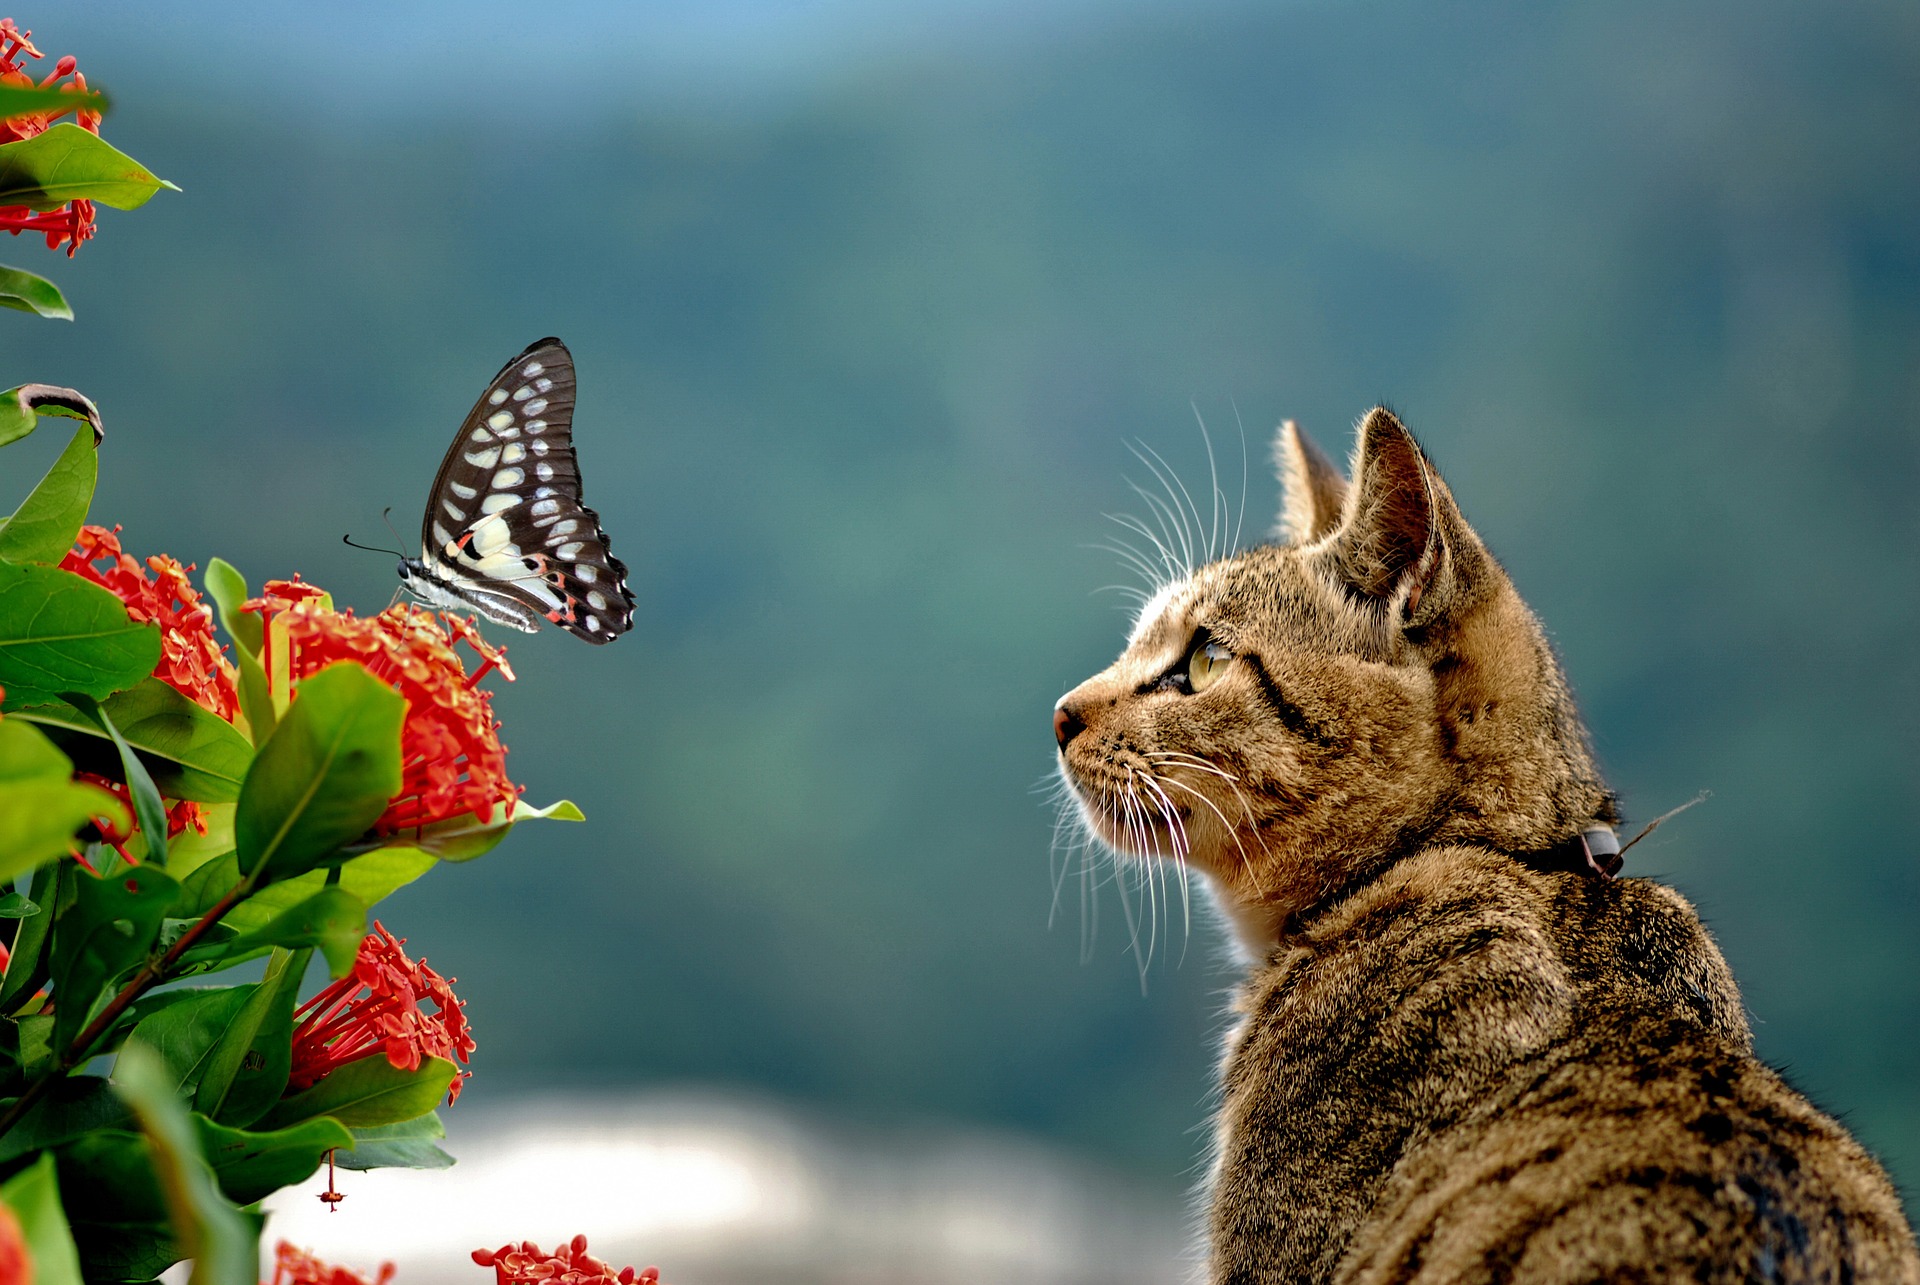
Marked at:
<point>114,832</point>
<point>568,1264</point>
<point>293,1266</point>
<point>376,1008</point>
<point>452,762</point>
<point>72,223</point>
<point>190,659</point>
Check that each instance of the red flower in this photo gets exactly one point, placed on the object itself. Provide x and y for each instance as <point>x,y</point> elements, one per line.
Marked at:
<point>182,814</point>
<point>452,762</point>
<point>16,1264</point>
<point>190,659</point>
<point>376,1008</point>
<point>568,1264</point>
<point>293,1266</point>
<point>72,223</point>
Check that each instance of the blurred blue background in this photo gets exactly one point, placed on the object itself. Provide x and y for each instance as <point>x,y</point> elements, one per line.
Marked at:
<point>867,301</point>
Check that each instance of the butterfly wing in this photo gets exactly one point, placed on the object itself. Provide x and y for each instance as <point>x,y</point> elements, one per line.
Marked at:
<point>505,527</point>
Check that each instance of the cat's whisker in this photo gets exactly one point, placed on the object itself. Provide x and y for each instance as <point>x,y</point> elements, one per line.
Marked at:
<point>1233,833</point>
<point>1173,504</point>
<point>1078,843</point>
<point>1169,478</point>
<point>1216,528</point>
<point>1126,903</point>
<point>1178,759</point>
<point>1143,836</point>
<point>1183,759</point>
<point>1067,821</point>
<point>1136,597</point>
<point>1241,515</point>
<point>1172,527</point>
<point>1132,557</point>
<point>1138,561</point>
<point>1159,533</point>
<point>1182,846</point>
<point>1171,567</point>
<point>1089,905</point>
<point>1173,519</point>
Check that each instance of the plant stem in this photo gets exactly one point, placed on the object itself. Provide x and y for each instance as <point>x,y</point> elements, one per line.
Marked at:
<point>152,972</point>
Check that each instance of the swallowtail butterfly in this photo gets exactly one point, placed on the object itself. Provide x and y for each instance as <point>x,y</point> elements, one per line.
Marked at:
<point>505,533</point>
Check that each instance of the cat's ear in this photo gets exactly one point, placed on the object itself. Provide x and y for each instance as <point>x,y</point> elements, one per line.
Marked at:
<point>1312,492</point>
<point>1401,538</point>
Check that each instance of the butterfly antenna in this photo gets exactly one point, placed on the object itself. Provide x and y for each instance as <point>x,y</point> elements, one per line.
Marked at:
<point>349,540</point>
<point>386,517</point>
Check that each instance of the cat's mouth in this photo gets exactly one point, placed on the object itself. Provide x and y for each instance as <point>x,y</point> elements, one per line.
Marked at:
<point>1132,815</point>
<point>1140,836</point>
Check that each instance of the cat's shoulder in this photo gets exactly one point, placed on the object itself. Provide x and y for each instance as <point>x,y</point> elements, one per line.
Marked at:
<point>1461,916</point>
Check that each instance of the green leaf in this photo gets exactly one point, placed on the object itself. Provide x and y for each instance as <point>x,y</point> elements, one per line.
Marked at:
<point>260,907</point>
<point>324,776</point>
<point>393,863</point>
<point>107,1176</point>
<point>252,1166</point>
<point>463,838</point>
<point>331,919</point>
<point>67,163</point>
<point>147,807</point>
<point>40,804</point>
<point>60,633</point>
<point>202,890</point>
<point>43,528</point>
<point>186,1033</point>
<point>26,967</point>
<point>190,850</point>
<point>155,1000</point>
<point>380,873</point>
<point>43,100</point>
<point>33,1195</point>
<point>123,1251</point>
<point>15,906</point>
<point>407,1145</point>
<point>248,1071</point>
<point>38,820</point>
<point>33,1039</point>
<point>27,755</point>
<point>107,933</point>
<point>371,1091</point>
<point>29,293</point>
<point>228,589</point>
<point>21,408</point>
<point>192,752</point>
<point>223,1245</point>
<point>73,1108</point>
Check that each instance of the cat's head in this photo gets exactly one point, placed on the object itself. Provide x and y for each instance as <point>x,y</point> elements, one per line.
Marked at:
<point>1294,717</point>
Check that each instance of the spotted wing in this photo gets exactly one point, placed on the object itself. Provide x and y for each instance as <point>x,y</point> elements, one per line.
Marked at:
<point>505,525</point>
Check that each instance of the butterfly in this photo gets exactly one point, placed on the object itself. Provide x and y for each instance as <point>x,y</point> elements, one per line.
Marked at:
<point>505,533</point>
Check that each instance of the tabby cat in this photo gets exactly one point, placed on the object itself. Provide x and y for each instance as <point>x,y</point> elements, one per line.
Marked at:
<point>1464,1051</point>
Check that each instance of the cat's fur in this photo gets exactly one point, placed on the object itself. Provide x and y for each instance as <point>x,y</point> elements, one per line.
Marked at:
<point>1453,1062</point>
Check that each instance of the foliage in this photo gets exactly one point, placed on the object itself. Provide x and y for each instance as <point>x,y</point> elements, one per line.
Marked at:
<point>177,809</point>
<point>53,171</point>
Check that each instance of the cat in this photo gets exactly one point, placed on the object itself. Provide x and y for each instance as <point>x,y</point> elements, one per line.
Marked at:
<point>1463,1050</point>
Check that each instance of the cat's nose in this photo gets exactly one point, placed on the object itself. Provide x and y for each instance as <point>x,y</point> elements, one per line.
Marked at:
<point>1066,725</point>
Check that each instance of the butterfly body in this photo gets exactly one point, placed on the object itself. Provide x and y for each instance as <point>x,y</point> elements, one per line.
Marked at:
<point>505,532</point>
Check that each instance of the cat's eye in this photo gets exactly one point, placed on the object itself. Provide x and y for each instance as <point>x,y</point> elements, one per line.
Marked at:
<point>1207,662</point>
